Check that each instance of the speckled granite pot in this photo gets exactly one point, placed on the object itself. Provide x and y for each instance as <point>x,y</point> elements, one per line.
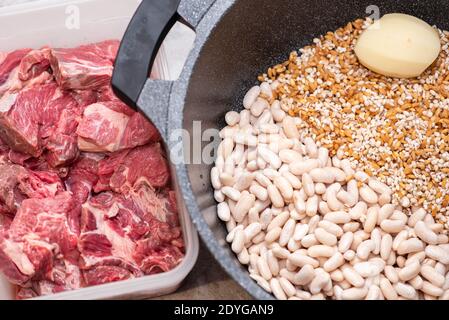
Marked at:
<point>236,40</point>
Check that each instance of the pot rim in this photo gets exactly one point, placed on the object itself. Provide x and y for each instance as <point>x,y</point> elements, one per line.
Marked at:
<point>175,121</point>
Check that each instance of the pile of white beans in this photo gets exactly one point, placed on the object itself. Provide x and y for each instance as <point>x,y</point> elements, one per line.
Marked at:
<point>311,227</point>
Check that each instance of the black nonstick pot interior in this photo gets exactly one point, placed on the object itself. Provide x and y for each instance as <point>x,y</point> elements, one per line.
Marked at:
<point>250,37</point>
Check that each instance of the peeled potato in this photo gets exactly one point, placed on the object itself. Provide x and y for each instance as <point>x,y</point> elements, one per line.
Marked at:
<point>398,45</point>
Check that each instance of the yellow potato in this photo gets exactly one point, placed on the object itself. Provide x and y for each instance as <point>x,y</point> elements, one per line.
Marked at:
<point>398,45</point>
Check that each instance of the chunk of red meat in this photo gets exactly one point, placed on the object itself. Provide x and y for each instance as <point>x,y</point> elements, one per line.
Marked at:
<point>46,219</point>
<point>153,205</point>
<point>64,275</point>
<point>14,264</point>
<point>20,117</point>
<point>10,194</point>
<point>106,49</point>
<point>62,149</point>
<point>85,97</point>
<point>107,167</point>
<point>34,63</point>
<point>95,244</point>
<point>82,177</point>
<point>39,231</point>
<point>142,165</point>
<point>10,62</point>
<point>112,126</point>
<point>18,157</point>
<point>58,115</point>
<point>104,274</point>
<point>161,260</point>
<point>25,293</point>
<point>87,67</point>
<point>40,184</point>
<point>101,128</point>
<point>18,183</point>
<point>40,164</point>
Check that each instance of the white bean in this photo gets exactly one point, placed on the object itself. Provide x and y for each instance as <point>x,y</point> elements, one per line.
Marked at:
<point>277,289</point>
<point>374,293</point>
<point>368,195</point>
<point>405,290</point>
<point>378,186</point>
<point>275,196</point>
<point>231,193</point>
<point>338,217</point>
<point>309,241</point>
<point>292,179</point>
<point>385,212</point>
<point>334,262</point>
<point>391,273</point>
<point>287,287</point>
<point>311,147</point>
<point>307,184</point>
<point>301,260</point>
<point>287,232</point>
<point>358,210</point>
<point>322,175</point>
<point>312,206</point>
<point>345,242</point>
<point>244,204</point>
<point>223,211</point>
<point>300,232</point>
<point>251,97</point>
<point>388,290</point>
<point>284,187</point>
<point>425,233</point>
<point>416,216</point>
<point>289,127</point>
<point>273,263</point>
<point>365,248</point>
<point>371,219</point>
<point>410,246</point>
<point>300,167</point>
<point>354,294</point>
<point>305,275</point>
<point>432,290</point>
<point>252,230</point>
<point>392,226</point>
<point>238,241</point>
<point>321,251</point>
<point>325,237</point>
<point>331,228</point>
<point>352,276</point>
<point>432,276</point>
<point>386,246</point>
<point>261,282</point>
<point>409,272</point>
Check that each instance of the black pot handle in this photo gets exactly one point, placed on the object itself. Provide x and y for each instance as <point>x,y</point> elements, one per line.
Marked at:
<point>140,44</point>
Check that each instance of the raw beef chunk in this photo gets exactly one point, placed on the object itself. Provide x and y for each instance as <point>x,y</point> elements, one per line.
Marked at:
<point>40,230</point>
<point>112,126</point>
<point>124,170</point>
<point>18,183</point>
<point>34,63</point>
<point>87,67</point>
<point>20,117</point>
<point>123,236</point>
<point>142,165</point>
<point>10,62</point>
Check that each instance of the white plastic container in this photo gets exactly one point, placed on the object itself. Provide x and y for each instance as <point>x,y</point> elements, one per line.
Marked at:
<point>69,23</point>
